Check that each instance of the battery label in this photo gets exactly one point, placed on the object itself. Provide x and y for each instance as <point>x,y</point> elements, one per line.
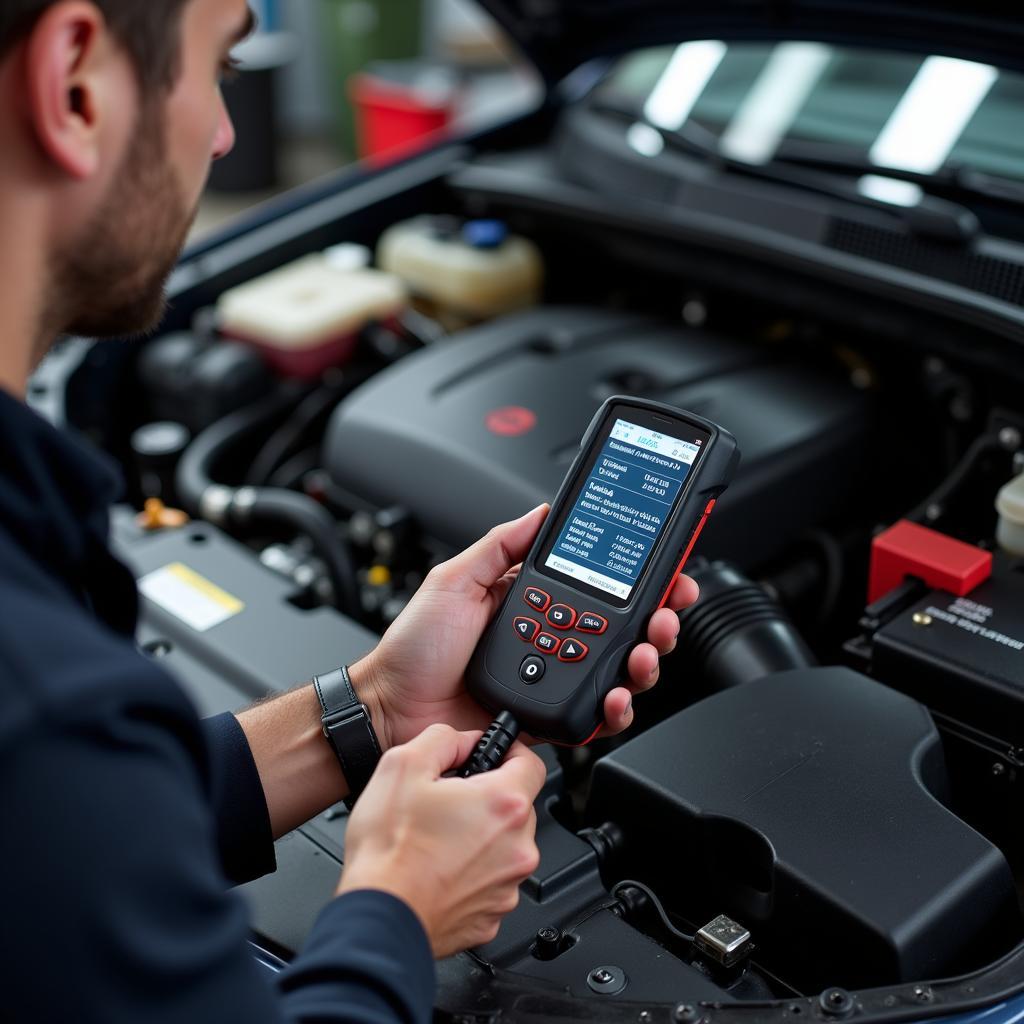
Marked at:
<point>186,595</point>
<point>972,617</point>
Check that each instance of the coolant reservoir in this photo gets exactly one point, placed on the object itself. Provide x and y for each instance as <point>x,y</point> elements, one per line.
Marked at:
<point>306,316</point>
<point>1010,506</point>
<point>463,272</point>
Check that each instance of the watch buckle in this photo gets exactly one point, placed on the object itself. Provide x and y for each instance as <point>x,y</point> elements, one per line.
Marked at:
<point>343,717</point>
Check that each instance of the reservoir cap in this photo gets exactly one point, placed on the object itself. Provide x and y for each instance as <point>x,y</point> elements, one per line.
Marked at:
<point>485,234</point>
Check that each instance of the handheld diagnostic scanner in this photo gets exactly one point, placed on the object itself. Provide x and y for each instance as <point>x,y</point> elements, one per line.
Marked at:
<point>620,530</point>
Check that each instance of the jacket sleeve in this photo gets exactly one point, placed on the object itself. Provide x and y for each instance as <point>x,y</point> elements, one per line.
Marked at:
<point>244,838</point>
<point>113,889</point>
<point>368,953</point>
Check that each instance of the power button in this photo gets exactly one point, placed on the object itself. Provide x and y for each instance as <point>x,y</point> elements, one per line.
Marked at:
<point>532,669</point>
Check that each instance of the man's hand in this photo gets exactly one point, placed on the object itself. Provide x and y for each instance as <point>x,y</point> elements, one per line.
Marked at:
<point>455,850</point>
<point>415,676</point>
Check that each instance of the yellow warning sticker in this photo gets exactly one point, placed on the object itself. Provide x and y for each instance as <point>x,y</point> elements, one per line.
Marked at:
<point>194,599</point>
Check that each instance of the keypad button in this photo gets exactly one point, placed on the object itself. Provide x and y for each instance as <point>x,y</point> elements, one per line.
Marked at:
<point>573,650</point>
<point>547,643</point>
<point>588,622</point>
<point>561,616</point>
<point>537,598</point>
<point>525,628</point>
<point>532,669</point>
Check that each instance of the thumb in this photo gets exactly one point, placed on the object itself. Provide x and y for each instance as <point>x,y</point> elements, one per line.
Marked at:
<point>493,555</point>
<point>439,748</point>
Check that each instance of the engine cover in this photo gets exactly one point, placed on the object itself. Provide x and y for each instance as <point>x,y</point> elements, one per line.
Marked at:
<point>482,428</point>
<point>806,805</point>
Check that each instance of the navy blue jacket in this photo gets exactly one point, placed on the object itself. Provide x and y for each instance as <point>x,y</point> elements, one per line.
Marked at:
<point>123,818</point>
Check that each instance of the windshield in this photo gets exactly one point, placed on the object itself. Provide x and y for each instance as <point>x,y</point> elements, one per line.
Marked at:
<point>763,102</point>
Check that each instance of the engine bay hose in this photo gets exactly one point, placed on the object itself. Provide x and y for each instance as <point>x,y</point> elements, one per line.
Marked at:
<point>736,632</point>
<point>272,507</point>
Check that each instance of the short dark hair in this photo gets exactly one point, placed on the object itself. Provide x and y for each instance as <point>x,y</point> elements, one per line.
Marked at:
<point>149,30</point>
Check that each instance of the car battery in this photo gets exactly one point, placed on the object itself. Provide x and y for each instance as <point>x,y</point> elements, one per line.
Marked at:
<point>963,656</point>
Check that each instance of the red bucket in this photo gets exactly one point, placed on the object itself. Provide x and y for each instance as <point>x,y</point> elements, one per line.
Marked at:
<point>400,113</point>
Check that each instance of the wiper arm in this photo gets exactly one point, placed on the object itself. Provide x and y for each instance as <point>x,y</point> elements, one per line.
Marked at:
<point>956,178</point>
<point>931,217</point>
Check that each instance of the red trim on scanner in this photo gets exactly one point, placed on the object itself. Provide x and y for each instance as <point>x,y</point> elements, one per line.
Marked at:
<point>686,554</point>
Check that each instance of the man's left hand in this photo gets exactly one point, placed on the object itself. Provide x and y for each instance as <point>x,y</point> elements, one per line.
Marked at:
<point>414,677</point>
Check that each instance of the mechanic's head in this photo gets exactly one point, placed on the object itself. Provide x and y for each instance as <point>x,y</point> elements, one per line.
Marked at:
<point>110,114</point>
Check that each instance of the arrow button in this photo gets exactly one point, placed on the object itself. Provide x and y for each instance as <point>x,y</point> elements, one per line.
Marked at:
<point>573,650</point>
<point>525,628</point>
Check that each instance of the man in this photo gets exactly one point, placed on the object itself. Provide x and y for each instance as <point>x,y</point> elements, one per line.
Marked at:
<point>124,817</point>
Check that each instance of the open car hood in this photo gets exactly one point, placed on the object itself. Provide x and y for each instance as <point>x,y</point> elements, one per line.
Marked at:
<point>560,35</point>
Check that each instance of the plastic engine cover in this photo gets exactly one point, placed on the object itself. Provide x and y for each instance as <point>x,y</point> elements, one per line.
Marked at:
<point>483,427</point>
<point>806,806</point>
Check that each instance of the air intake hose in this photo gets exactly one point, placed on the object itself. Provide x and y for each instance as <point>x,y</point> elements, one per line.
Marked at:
<point>736,632</point>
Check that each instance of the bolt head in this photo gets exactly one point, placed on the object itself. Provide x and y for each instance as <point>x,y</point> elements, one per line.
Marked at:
<point>836,1001</point>
<point>1009,438</point>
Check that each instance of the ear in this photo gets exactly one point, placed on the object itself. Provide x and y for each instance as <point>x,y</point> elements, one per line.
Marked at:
<point>65,58</point>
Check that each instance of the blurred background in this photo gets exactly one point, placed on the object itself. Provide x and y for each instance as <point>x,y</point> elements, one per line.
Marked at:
<point>326,82</point>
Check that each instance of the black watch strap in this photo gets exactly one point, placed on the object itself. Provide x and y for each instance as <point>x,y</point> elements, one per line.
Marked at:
<point>348,729</point>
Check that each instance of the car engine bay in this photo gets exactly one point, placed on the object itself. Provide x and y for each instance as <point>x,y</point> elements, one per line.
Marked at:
<point>822,794</point>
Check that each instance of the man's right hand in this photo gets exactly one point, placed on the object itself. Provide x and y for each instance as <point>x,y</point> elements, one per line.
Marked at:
<point>455,850</point>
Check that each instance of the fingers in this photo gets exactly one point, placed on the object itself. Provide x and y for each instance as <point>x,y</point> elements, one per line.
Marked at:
<point>662,633</point>
<point>438,749</point>
<point>501,588</point>
<point>521,769</point>
<point>662,630</point>
<point>487,561</point>
<point>618,711</point>
<point>684,593</point>
<point>642,667</point>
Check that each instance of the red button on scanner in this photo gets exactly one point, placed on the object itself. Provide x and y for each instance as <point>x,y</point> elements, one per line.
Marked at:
<point>525,628</point>
<point>561,616</point>
<point>588,622</point>
<point>537,598</point>
<point>573,650</point>
<point>547,643</point>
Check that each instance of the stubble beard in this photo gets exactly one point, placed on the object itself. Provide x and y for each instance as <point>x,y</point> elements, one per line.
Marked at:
<point>111,281</point>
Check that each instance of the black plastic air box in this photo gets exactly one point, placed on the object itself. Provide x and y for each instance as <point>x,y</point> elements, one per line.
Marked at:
<point>483,427</point>
<point>807,806</point>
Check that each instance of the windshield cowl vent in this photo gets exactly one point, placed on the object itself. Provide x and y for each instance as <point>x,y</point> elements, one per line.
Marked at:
<point>999,278</point>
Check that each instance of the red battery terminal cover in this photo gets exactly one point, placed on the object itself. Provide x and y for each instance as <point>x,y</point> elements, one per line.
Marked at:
<point>907,549</point>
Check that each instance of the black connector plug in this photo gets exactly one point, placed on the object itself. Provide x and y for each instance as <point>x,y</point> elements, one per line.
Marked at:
<point>493,746</point>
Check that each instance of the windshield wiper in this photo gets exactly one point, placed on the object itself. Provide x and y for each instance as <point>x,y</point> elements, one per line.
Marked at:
<point>931,216</point>
<point>960,179</point>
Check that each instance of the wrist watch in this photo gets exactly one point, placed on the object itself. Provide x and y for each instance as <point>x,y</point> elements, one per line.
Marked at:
<point>347,726</point>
